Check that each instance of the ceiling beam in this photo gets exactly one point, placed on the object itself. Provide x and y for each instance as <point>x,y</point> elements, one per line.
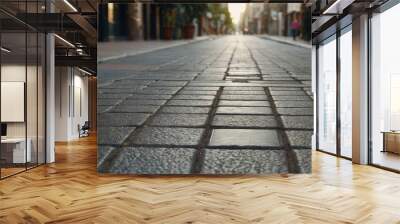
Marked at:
<point>77,61</point>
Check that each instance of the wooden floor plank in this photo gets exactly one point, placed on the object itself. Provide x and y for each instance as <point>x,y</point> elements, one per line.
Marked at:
<point>71,191</point>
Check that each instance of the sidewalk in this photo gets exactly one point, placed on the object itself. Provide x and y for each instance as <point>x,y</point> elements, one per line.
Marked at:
<point>288,40</point>
<point>119,49</point>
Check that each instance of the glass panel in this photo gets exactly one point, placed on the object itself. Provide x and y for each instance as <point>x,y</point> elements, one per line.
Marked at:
<point>13,86</point>
<point>32,88</point>
<point>346,94</point>
<point>41,99</point>
<point>327,96</point>
<point>31,98</point>
<point>385,84</point>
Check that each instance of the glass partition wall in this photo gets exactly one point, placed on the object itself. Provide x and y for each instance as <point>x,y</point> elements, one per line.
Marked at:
<point>345,108</point>
<point>327,95</point>
<point>334,94</point>
<point>385,89</point>
<point>22,88</point>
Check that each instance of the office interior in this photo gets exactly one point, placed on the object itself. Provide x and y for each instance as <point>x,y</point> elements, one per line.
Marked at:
<point>48,79</point>
<point>357,81</point>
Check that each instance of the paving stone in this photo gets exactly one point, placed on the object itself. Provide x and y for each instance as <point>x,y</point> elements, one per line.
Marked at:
<point>233,68</point>
<point>243,161</point>
<point>300,98</point>
<point>244,137</point>
<point>245,88</point>
<point>234,78</point>
<point>190,85</point>
<point>158,91</point>
<point>146,160</point>
<point>118,91</point>
<point>268,78</point>
<point>303,158</point>
<point>244,121</point>
<point>121,119</point>
<point>211,69</point>
<point>103,151</point>
<point>185,110</point>
<point>295,111</point>
<point>190,103</point>
<point>133,82</point>
<point>244,97</point>
<point>156,88</point>
<point>210,77</point>
<point>196,88</point>
<point>244,103</point>
<point>102,109</point>
<point>167,136</point>
<point>195,92</point>
<point>113,135</point>
<point>193,97</point>
<point>149,97</point>
<point>244,110</point>
<point>299,138</point>
<point>143,102</point>
<point>287,93</point>
<point>117,96</point>
<point>134,109</point>
<point>169,83</point>
<point>189,120</point>
<point>121,86</point>
<point>229,92</point>
<point>287,103</point>
<point>284,89</point>
<point>108,102</point>
<point>243,71</point>
<point>303,122</point>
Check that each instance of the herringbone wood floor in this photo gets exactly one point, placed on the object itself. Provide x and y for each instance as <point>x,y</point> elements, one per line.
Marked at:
<point>70,191</point>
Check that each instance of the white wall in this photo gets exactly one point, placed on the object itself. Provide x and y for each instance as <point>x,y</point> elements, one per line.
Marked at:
<point>15,73</point>
<point>70,83</point>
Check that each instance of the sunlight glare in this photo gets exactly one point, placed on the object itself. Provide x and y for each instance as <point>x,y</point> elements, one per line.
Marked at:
<point>235,9</point>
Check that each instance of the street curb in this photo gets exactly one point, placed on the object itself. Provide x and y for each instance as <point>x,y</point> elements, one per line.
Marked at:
<point>101,60</point>
<point>286,42</point>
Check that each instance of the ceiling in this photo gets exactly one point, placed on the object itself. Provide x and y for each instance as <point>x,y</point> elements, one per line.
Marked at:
<point>74,22</point>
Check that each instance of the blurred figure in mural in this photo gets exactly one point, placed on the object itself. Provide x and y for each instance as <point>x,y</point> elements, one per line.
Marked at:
<point>295,26</point>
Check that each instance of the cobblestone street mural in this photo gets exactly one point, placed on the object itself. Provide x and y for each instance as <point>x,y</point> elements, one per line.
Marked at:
<point>225,105</point>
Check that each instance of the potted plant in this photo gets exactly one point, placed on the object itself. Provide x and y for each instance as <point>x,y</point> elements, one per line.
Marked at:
<point>169,19</point>
<point>190,12</point>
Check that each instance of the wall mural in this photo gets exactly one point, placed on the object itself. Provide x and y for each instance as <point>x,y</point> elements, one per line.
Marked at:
<point>204,89</point>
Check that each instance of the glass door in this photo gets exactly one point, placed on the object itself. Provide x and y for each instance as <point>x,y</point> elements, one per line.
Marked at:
<point>346,92</point>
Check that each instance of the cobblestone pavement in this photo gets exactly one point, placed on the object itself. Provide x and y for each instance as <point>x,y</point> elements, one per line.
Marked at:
<point>230,105</point>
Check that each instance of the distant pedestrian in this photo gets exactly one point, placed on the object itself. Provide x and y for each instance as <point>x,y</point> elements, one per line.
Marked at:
<point>295,26</point>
